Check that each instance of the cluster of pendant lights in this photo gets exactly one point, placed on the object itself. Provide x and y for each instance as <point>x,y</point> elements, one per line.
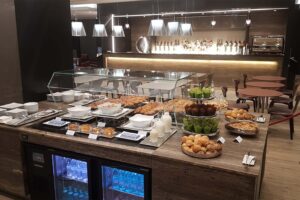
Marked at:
<point>157,28</point>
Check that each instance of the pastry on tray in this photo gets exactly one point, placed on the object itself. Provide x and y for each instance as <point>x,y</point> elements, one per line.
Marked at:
<point>85,128</point>
<point>244,126</point>
<point>108,132</point>
<point>177,105</point>
<point>149,109</point>
<point>73,126</point>
<point>200,146</point>
<point>238,114</point>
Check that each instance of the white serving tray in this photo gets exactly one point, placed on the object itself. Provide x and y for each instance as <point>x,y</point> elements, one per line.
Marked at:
<point>11,106</point>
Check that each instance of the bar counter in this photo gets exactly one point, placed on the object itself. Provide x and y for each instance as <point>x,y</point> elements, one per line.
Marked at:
<point>175,175</point>
<point>224,67</point>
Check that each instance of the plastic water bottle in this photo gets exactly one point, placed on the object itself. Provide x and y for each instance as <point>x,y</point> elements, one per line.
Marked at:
<point>115,179</point>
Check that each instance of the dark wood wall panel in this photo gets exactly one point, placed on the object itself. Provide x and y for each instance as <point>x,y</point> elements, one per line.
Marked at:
<point>10,75</point>
<point>45,43</point>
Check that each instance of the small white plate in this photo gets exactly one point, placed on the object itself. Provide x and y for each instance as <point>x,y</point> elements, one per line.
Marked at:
<point>125,137</point>
<point>53,123</point>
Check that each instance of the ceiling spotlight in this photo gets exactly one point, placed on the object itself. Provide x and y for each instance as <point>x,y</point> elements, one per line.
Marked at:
<point>213,22</point>
<point>248,21</point>
<point>297,2</point>
<point>127,26</point>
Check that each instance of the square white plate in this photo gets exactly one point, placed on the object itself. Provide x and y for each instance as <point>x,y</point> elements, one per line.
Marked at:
<point>122,136</point>
<point>12,106</point>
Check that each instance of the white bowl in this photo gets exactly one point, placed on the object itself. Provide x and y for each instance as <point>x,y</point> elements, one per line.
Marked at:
<point>110,108</point>
<point>57,97</point>
<point>141,121</point>
<point>79,111</point>
<point>68,97</point>
<point>31,107</point>
<point>78,96</point>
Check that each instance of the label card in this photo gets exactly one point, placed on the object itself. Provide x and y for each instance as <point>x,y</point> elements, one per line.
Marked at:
<point>101,124</point>
<point>142,133</point>
<point>238,139</point>
<point>261,119</point>
<point>58,118</point>
<point>221,140</point>
<point>93,136</point>
<point>71,133</point>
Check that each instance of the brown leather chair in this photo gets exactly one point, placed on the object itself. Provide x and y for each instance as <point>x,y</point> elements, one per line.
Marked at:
<point>243,99</point>
<point>286,112</point>
<point>231,104</point>
<point>286,100</point>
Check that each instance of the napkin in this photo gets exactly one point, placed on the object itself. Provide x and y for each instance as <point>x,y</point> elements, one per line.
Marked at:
<point>249,160</point>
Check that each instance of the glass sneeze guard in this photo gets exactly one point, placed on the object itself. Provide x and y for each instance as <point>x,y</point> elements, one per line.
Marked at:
<point>119,81</point>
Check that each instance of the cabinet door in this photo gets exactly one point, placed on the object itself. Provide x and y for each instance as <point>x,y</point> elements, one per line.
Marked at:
<point>11,169</point>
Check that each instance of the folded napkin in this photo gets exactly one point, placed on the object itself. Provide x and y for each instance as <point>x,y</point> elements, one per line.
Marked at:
<point>5,119</point>
<point>249,160</point>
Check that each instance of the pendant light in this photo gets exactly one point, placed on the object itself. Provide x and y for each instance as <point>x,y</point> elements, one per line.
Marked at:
<point>78,29</point>
<point>99,29</point>
<point>117,30</point>
<point>157,26</point>
<point>186,28</point>
<point>248,20</point>
<point>173,28</point>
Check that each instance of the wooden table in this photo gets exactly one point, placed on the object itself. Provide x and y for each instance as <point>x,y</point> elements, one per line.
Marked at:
<point>182,177</point>
<point>269,78</point>
<point>175,175</point>
<point>262,95</point>
<point>265,84</point>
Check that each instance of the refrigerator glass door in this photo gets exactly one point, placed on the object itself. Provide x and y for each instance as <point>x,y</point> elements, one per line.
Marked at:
<point>119,184</point>
<point>70,178</point>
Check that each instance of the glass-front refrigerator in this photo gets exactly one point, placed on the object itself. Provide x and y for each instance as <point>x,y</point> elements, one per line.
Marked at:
<point>124,182</point>
<point>58,175</point>
<point>70,178</point>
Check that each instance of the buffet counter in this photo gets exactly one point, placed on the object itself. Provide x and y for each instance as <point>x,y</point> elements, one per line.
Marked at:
<point>224,177</point>
<point>233,65</point>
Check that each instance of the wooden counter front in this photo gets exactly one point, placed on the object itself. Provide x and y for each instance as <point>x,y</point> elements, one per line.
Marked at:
<point>175,176</point>
<point>224,67</point>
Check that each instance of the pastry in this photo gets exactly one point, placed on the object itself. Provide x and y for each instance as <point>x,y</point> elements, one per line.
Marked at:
<point>85,128</point>
<point>96,130</point>
<point>177,105</point>
<point>150,108</point>
<point>244,126</point>
<point>73,126</point>
<point>238,114</point>
<point>201,146</point>
<point>108,131</point>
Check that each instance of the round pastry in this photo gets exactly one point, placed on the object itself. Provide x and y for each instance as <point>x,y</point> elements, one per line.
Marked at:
<point>73,126</point>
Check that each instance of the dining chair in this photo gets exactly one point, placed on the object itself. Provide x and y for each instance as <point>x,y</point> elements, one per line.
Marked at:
<point>243,99</point>
<point>285,100</point>
<point>233,104</point>
<point>287,113</point>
